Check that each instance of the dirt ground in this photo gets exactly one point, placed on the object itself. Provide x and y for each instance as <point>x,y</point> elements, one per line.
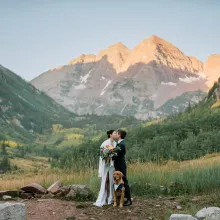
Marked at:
<point>53,209</point>
<point>142,209</point>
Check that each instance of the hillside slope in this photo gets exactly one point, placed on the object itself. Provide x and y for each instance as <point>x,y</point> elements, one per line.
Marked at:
<point>188,135</point>
<point>24,110</point>
<point>181,103</point>
<point>26,113</point>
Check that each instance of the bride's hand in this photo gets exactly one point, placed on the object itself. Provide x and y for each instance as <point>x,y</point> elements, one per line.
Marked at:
<point>107,160</point>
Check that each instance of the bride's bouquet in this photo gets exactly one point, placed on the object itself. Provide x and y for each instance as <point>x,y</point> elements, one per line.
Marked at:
<point>108,152</point>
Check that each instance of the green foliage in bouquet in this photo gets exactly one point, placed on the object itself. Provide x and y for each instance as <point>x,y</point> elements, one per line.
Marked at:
<point>109,151</point>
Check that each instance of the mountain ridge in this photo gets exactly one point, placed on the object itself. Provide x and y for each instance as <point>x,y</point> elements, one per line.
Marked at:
<point>212,68</point>
<point>28,115</point>
<point>25,110</point>
<point>119,49</point>
<point>132,82</point>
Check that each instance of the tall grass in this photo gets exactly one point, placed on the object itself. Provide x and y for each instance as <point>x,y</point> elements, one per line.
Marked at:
<point>175,179</point>
<point>146,179</point>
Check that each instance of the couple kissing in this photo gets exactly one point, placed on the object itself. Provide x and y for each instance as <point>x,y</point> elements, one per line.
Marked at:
<point>112,158</point>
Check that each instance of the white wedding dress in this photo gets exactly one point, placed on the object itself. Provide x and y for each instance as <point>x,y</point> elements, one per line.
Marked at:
<point>104,169</point>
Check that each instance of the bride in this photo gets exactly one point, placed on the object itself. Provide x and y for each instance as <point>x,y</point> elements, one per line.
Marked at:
<point>106,169</point>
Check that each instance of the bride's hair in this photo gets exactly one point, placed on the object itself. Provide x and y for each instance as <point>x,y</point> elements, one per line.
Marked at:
<point>109,133</point>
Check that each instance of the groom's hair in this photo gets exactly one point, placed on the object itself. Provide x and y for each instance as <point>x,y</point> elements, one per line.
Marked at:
<point>122,134</point>
<point>109,133</point>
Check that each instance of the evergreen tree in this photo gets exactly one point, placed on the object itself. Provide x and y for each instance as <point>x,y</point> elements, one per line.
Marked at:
<point>189,107</point>
<point>5,164</point>
<point>3,148</point>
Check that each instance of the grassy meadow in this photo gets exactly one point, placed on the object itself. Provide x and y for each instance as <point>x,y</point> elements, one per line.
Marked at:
<point>194,177</point>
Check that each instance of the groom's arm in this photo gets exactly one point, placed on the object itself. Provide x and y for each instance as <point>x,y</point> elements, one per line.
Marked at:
<point>121,152</point>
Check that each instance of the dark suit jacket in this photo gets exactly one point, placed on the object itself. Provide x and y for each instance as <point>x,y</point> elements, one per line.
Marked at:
<point>119,160</point>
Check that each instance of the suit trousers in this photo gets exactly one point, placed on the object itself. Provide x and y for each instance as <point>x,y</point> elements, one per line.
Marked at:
<point>127,187</point>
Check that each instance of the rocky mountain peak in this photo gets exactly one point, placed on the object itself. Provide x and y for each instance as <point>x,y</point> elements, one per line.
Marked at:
<point>123,81</point>
<point>196,63</point>
<point>151,49</point>
<point>157,40</point>
<point>83,59</point>
<point>164,53</point>
<point>117,55</point>
<point>118,46</point>
<point>213,61</point>
<point>114,49</point>
<point>212,69</point>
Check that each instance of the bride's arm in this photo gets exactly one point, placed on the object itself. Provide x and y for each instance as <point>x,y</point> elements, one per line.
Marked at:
<point>101,161</point>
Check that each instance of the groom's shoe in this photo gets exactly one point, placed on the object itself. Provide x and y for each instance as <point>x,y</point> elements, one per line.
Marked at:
<point>127,203</point>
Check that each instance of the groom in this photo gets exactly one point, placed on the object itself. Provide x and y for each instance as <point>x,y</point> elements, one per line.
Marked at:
<point>120,164</point>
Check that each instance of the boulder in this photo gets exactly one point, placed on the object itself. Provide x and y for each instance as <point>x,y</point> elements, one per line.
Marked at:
<point>34,188</point>
<point>54,188</point>
<point>63,191</point>
<point>47,196</point>
<point>12,193</point>
<point>6,198</point>
<point>12,211</point>
<point>80,192</point>
<point>211,213</point>
<point>178,207</point>
<point>25,195</point>
<point>182,217</point>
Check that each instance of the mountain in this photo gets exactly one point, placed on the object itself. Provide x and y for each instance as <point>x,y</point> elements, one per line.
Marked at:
<point>28,115</point>
<point>181,103</point>
<point>25,111</point>
<point>212,69</point>
<point>122,81</point>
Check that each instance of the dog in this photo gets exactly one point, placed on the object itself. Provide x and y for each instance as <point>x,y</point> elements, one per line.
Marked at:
<point>119,189</point>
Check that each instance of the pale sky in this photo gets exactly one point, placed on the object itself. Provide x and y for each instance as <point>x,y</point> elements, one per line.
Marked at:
<point>37,35</point>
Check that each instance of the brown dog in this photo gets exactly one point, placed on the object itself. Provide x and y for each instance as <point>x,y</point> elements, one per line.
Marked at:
<point>119,189</point>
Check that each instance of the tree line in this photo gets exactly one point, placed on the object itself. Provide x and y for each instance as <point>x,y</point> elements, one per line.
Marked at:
<point>189,135</point>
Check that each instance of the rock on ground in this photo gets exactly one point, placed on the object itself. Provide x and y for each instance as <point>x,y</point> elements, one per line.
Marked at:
<point>54,188</point>
<point>12,193</point>
<point>62,192</point>
<point>6,197</point>
<point>48,196</point>
<point>34,188</point>
<point>79,192</point>
<point>181,217</point>
<point>211,213</point>
<point>12,211</point>
<point>25,195</point>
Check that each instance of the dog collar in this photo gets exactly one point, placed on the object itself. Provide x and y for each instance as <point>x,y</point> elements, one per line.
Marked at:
<point>118,186</point>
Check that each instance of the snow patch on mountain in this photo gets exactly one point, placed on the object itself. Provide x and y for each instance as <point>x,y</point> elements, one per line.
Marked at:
<point>190,79</point>
<point>168,83</point>
<point>123,108</point>
<point>202,75</point>
<point>80,87</point>
<point>106,86</point>
<point>99,106</point>
<point>85,78</point>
